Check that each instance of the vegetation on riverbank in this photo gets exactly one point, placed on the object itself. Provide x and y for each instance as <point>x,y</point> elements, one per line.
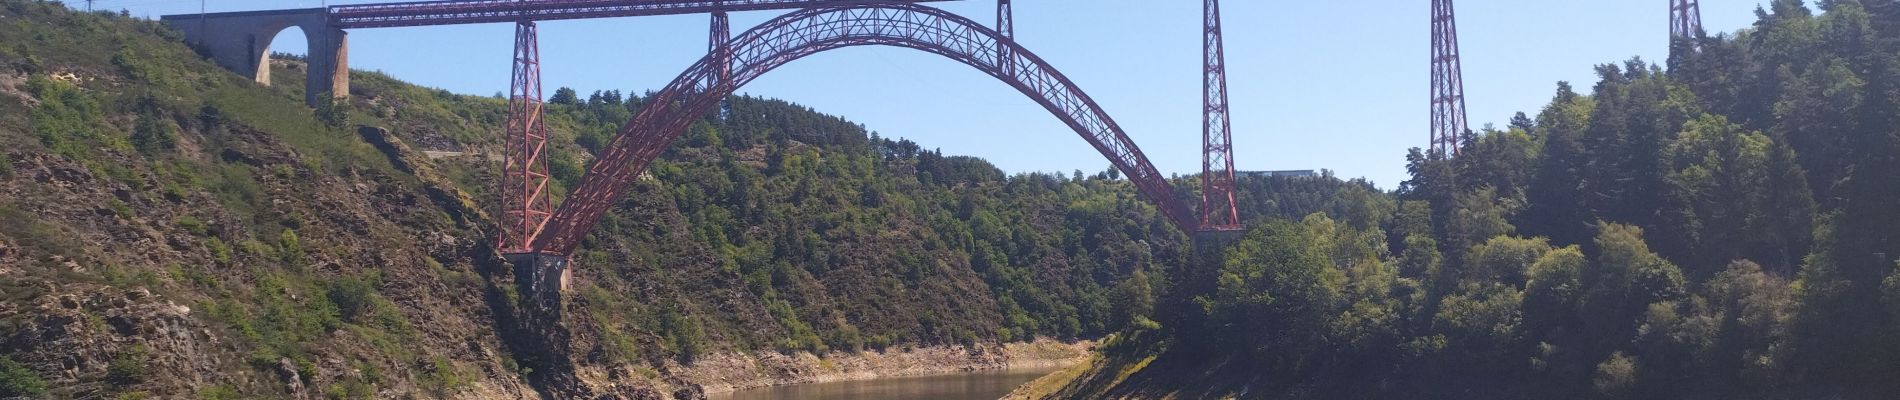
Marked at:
<point>1720,228</point>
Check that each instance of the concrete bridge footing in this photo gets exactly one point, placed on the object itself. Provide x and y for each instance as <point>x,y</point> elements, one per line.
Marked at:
<point>542,277</point>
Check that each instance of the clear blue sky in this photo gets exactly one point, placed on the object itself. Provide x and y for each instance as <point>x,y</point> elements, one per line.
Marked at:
<point>1315,84</point>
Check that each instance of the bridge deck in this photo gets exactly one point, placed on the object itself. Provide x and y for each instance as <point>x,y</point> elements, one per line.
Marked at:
<point>490,11</point>
<point>233,14</point>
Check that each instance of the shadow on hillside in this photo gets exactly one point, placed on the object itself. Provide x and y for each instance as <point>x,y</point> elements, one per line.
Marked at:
<point>1173,374</point>
<point>536,341</point>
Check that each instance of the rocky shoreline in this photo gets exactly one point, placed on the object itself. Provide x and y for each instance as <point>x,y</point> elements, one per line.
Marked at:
<point>728,372</point>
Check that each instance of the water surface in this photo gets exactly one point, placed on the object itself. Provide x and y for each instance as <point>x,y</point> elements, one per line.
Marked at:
<point>980,385</point>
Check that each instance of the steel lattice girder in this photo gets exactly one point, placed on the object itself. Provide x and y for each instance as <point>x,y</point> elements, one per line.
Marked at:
<point>490,11</point>
<point>524,178</point>
<point>1448,82</point>
<point>1218,211</point>
<point>787,38</point>
<point>1685,19</point>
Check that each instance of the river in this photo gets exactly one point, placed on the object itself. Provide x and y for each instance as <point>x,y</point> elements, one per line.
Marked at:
<point>979,385</point>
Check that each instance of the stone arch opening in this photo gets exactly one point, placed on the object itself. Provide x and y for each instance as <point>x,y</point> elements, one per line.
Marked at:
<point>274,40</point>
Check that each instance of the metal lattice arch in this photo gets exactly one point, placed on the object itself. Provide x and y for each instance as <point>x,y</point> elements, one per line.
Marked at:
<point>698,90</point>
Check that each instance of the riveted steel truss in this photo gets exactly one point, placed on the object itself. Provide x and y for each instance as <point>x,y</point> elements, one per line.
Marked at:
<point>810,31</point>
<point>1685,27</point>
<point>1218,211</point>
<point>1448,81</point>
<point>452,12</point>
<point>1685,19</point>
<point>524,178</point>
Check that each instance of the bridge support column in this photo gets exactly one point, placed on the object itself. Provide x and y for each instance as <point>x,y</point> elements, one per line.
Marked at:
<point>1448,83</point>
<point>1006,28</point>
<point>328,65</point>
<point>241,41</point>
<point>524,179</point>
<point>542,277</point>
<point>1218,209</point>
<point>719,44</point>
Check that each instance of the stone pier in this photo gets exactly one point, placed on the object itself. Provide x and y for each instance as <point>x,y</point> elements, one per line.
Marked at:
<point>541,277</point>
<point>240,42</point>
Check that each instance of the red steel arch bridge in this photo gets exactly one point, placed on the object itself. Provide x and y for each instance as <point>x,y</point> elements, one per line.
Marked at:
<point>534,226</point>
<point>534,232</point>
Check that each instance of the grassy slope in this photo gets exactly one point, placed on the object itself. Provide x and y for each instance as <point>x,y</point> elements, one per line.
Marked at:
<point>156,180</point>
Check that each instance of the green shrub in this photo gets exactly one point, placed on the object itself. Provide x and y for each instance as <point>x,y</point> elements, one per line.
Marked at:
<point>174,192</point>
<point>881,341</point>
<point>128,368</point>
<point>19,381</point>
<point>6,166</point>
<point>565,171</point>
<point>123,277</point>
<point>351,389</point>
<point>291,248</point>
<point>65,119</point>
<point>287,322</point>
<point>195,276</point>
<point>332,111</point>
<point>152,134</point>
<point>618,344</point>
<point>130,64</point>
<point>684,333</point>
<point>355,297</point>
<point>192,225</point>
<point>847,338</point>
<point>256,248</point>
<point>236,187</point>
<point>219,250</point>
<point>1615,375</point>
<point>211,115</point>
<point>443,378</point>
<point>120,209</point>
<point>220,392</point>
<point>30,64</point>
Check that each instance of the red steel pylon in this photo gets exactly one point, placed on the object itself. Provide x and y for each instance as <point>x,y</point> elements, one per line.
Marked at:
<point>716,40</point>
<point>1448,82</point>
<point>1218,211</point>
<point>719,46</point>
<point>524,177</point>
<point>1006,29</point>
<point>1685,19</point>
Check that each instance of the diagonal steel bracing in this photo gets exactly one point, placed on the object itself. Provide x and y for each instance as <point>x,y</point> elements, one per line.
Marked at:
<point>1448,81</point>
<point>1218,211</point>
<point>524,177</point>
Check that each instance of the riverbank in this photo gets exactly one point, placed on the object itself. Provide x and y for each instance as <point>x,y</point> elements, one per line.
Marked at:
<point>727,372</point>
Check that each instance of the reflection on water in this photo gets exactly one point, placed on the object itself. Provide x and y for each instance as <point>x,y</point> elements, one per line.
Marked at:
<point>983,385</point>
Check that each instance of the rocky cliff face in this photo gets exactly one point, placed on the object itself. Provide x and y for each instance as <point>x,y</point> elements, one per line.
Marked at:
<point>135,284</point>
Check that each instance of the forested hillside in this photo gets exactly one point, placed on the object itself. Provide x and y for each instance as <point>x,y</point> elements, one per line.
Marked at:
<point>1722,226</point>
<point>172,230</point>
